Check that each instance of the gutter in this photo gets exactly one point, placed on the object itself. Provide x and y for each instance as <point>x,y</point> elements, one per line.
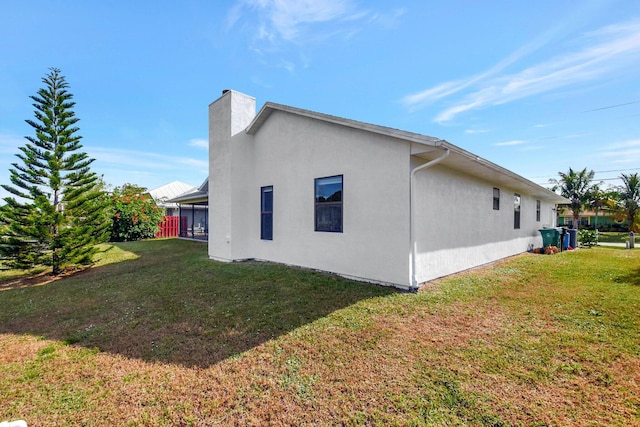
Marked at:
<point>412,271</point>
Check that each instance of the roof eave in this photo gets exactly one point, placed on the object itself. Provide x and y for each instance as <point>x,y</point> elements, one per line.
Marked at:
<point>424,141</point>
<point>268,108</point>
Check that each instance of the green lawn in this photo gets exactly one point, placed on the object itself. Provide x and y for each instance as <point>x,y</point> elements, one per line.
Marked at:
<point>157,334</point>
<point>615,237</point>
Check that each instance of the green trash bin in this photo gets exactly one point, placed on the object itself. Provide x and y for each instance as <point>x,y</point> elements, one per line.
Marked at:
<point>550,237</point>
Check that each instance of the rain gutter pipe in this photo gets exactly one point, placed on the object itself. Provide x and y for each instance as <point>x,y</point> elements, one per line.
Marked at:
<point>412,273</point>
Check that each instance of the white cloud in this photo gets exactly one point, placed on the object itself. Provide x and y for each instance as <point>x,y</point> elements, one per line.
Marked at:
<point>386,20</point>
<point>287,16</point>
<point>200,164</point>
<point>8,149</point>
<point>624,155</point>
<point>199,142</point>
<point>9,143</point>
<point>288,65</point>
<point>305,22</point>
<point>420,99</point>
<point>234,15</point>
<point>144,160</point>
<point>120,166</point>
<point>150,170</point>
<point>507,143</point>
<point>293,28</point>
<point>474,131</point>
<point>625,144</point>
<point>285,19</point>
<point>623,152</point>
<point>612,48</point>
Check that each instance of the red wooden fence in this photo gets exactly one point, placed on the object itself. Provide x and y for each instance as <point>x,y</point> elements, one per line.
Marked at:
<point>169,227</point>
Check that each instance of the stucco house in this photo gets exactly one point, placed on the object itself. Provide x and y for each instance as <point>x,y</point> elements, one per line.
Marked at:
<point>368,202</point>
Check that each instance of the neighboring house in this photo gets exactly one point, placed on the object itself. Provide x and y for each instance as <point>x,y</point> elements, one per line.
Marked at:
<point>364,201</point>
<point>164,193</point>
<point>606,220</point>
<point>194,212</point>
<point>185,201</point>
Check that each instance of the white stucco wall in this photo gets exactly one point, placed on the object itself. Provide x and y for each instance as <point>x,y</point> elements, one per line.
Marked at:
<point>228,115</point>
<point>289,152</point>
<point>457,227</point>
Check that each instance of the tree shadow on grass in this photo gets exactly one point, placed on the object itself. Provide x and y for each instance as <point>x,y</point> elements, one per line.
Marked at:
<point>174,305</point>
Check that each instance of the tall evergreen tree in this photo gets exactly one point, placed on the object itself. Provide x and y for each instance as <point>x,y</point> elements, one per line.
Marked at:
<point>57,215</point>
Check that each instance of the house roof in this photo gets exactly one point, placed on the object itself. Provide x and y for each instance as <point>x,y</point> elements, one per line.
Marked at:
<point>425,147</point>
<point>194,195</point>
<point>163,194</point>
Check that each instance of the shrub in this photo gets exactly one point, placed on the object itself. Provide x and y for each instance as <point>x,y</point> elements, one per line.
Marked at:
<point>135,214</point>
<point>587,238</point>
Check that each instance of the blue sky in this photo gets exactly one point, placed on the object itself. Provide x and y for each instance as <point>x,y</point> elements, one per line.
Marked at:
<point>536,87</point>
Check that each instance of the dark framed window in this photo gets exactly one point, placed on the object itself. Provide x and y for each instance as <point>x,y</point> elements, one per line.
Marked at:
<point>516,211</point>
<point>328,204</point>
<point>496,199</point>
<point>266,213</point>
<point>538,210</point>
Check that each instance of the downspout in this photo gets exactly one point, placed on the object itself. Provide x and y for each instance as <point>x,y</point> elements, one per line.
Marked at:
<point>412,272</point>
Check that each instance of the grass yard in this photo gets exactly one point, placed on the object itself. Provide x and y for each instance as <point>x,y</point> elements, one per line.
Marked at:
<point>159,335</point>
<point>616,237</point>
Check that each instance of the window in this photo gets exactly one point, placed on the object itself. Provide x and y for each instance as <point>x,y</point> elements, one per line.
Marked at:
<point>266,213</point>
<point>496,199</point>
<point>538,210</point>
<point>328,203</point>
<point>516,211</point>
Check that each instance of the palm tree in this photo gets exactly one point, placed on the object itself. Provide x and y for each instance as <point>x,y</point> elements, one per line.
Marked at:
<point>600,198</point>
<point>630,199</point>
<point>575,186</point>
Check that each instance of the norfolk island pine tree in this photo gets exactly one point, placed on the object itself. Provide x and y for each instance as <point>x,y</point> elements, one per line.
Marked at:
<point>56,215</point>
